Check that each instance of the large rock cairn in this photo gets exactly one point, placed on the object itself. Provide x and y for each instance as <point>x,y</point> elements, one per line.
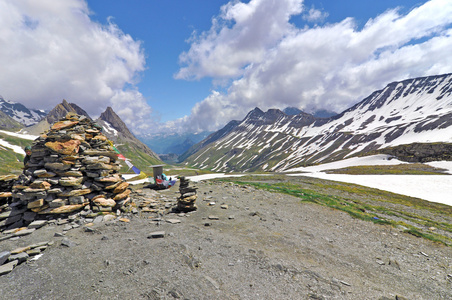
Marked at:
<point>188,196</point>
<point>72,167</point>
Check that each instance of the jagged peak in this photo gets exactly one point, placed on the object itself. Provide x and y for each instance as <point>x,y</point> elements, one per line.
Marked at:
<point>61,109</point>
<point>255,113</point>
<point>114,120</point>
<point>274,111</point>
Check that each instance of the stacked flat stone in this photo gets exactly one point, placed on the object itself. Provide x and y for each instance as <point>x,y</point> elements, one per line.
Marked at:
<point>188,196</point>
<point>6,184</point>
<point>71,166</point>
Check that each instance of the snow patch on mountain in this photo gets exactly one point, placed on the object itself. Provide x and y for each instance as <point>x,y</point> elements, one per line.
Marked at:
<point>109,129</point>
<point>17,149</point>
<point>4,144</point>
<point>20,135</point>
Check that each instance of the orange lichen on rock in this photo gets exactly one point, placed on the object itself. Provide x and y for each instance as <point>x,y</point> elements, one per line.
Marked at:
<point>66,148</point>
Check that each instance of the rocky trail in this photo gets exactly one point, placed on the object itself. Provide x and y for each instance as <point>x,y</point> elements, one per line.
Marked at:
<point>241,243</point>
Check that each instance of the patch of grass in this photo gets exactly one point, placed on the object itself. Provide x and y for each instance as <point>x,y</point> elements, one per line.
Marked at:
<point>429,236</point>
<point>10,162</point>
<point>379,207</point>
<point>401,169</point>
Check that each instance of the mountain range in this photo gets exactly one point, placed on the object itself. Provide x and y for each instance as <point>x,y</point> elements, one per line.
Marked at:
<point>410,119</point>
<point>390,120</point>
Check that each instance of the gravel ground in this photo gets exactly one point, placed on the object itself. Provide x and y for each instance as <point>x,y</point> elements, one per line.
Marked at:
<point>241,243</point>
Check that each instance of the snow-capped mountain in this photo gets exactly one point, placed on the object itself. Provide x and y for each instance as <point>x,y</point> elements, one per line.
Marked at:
<point>20,113</point>
<point>411,111</point>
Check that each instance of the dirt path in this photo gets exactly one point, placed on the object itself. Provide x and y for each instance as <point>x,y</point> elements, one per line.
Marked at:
<point>241,243</point>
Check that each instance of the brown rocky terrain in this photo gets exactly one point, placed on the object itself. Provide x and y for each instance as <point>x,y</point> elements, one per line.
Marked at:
<point>241,243</point>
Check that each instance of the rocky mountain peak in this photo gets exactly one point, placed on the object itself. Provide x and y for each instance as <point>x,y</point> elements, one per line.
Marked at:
<point>115,121</point>
<point>258,117</point>
<point>116,130</point>
<point>61,110</point>
<point>256,113</point>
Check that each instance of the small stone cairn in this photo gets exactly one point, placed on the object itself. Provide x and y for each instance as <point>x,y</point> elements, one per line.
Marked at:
<point>188,196</point>
<point>72,167</point>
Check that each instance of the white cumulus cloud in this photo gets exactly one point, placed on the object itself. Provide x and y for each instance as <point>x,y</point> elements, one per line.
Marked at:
<point>52,50</point>
<point>273,63</point>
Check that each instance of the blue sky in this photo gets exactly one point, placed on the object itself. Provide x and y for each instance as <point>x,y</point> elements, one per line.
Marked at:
<point>197,64</point>
<point>165,26</point>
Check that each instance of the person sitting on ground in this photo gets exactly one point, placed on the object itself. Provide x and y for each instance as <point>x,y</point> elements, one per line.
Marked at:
<point>27,155</point>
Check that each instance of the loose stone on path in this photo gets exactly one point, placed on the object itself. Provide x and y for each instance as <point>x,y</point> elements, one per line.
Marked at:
<point>156,234</point>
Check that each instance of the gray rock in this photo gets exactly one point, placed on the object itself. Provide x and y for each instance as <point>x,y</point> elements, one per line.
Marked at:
<point>89,229</point>
<point>24,232</point>
<point>76,200</point>
<point>29,216</point>
<point>7,268</point>
<point>13,219</point>
<point>20,257</point>
<point>62,221</point>
<point>52,181</point>
<point>156,234</point>
<point>67,227</point>
<point>109,218</point>
<point>4,256</point>
<point>37,224</point>
<point>57,203</point>
<point>98,219</point>
<point>173,221</point>
<point>40,172</point>
<point>34,252</point>
<point>68,243</point>
<point>49,198</point>
<point>37,245</point>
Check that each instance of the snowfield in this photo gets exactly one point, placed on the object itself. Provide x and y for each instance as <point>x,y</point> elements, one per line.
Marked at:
<point>434,188</point>
<point>16,148</point>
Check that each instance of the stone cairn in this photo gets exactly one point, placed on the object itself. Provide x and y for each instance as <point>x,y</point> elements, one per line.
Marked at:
<point>72,167</point>
<point>188,196</point>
